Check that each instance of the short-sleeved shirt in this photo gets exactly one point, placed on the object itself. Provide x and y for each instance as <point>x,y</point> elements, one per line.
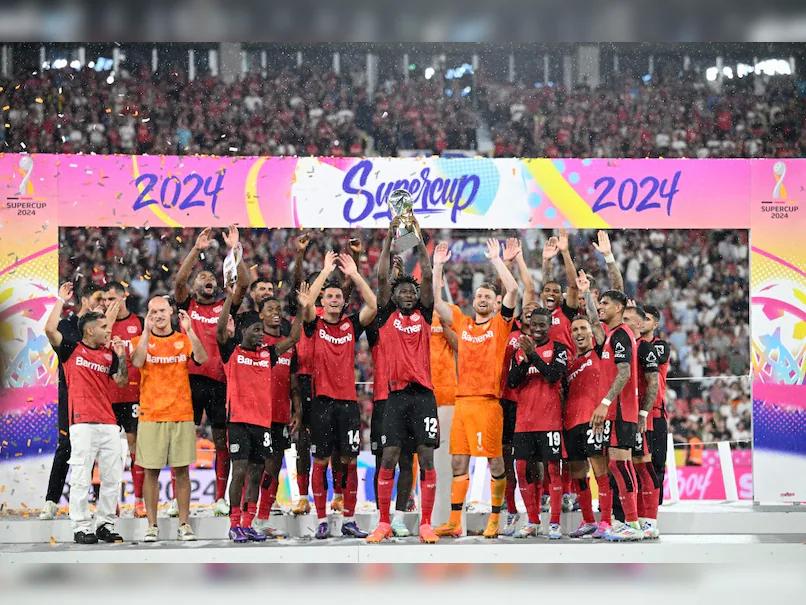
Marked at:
<point>539,401</point>
<point>249,382</point>
<point>204,320</point>
<point>648,364</point>
<point>513,345</point>
<point>560,329</point>
<point>443,365</point>
<point>481,353</point>
<point>619,347</point>
<point>281,380</point>
<point>380,372</point>
<point>334,356</point>
<point>663,351</point>
<point>164,378</point>
<point>585,389</point>
<point>406,341</point>
<point>88,378</point>
<point>126,329</point>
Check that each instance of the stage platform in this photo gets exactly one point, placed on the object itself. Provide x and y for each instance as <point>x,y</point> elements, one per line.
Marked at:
<point>692,532</point>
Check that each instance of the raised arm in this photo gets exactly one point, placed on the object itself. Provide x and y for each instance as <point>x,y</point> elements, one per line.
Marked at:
<point>441,256</point>
<point>244,278</point>
<point>303,300</point>
<point>384,262</point>
<point>572,298</point>
<point>52,324</point>
<point>515,251</point>
<point>223,319</point>
<point>309,313</point>
<point>451,337</point>
<point>583,285</point>
<point>550,250</point>
<point>356,247</point>
<point>651,394</point>
<point>121,376</point>
<point>510,298</point>
<point>140,351</point>
<point>370,308</point>
<point>613,272</point>
<point>181,289</point>
<point>199,353</point>
<point>427,273</point>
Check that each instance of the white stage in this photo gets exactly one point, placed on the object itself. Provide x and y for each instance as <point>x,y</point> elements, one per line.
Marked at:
<point>692,532</point>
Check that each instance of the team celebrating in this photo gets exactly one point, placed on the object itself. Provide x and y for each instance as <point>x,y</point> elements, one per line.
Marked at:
<point>573,384</point>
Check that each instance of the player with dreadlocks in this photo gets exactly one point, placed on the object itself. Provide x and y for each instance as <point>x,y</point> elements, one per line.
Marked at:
<point>404,324</point>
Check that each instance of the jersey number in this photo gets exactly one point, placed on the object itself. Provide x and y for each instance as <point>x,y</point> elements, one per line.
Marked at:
<point>135,410</point>
<point>266,440</point>
<point>431,426</point>
<point>554,439</point>
<point>352,437</point>
<point>593,438</point>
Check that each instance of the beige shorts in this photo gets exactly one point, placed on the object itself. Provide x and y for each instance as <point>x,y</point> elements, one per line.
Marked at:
<point>161,444</point>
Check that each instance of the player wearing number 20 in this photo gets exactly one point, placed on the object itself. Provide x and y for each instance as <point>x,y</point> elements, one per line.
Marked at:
<point>537,371</point>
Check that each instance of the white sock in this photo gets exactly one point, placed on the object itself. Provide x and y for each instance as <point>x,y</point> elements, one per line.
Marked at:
<point>398,516</point>
<point>348,520</point>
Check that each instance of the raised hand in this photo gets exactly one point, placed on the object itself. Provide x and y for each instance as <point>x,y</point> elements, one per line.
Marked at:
<point>301,243</point>
<point>118,346</point>
<point>230,327</point>
<point>512,249</point>
<point>113,310</point>
<point>304,295</point>
<point>583,283</point>
<point>356,247</point>
<point>184,320</point>
<point>66,291</point>
<point>231,236</point>
<point>562,241</point>
<point>527,344</point>
<point>442,254</point>
<point>148,323</point>
<point>203,240</point>
<point>330,261</point>
<point>347,264</point>
<point>397,265</point>
<point>493,249</point>
<point>394,224</point>
<point>551,248</point>
<point>603,246</point>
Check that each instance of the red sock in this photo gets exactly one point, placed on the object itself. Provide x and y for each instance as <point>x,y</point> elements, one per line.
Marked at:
<point>138,474</point>
<point>386,479</point>
<point>338,478</point>
<point>302,483</point>
<point>546,483</point>
<point>265,501</point>
<point>319,484</point>
<point>605,499</point>
<point>566,479</point>
<point>248,514</point>
<point>556,493</point>
<point>585,500</point>
<point>351,491</point>
<point>221,471</point>
<point>642,486</point>
<point>531,501</point>
<point>173,483</point>
<point>234,517</point>
<point>428,493</point>
<point>627,490</point>
<point>538,497</point>
<point>510,495</point>
<point>648,500</point>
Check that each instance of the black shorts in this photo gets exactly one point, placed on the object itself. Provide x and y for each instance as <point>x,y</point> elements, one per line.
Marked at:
<point>581,442</point>
<point>538,445</point>
<point>658,443</point>
<point>509,407</point>
<point>641,446</point>
<point>622,436</point>
<point>410,414</point>
<point>280,437</point>
<point>305,382</point>
<point>126,415</point>
<point>210,397</point>
<point>249,442</point>
<point>376,431</point>
<point>335,427</point>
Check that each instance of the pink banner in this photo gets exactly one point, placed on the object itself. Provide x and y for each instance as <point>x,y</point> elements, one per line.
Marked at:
<point>705,482</point>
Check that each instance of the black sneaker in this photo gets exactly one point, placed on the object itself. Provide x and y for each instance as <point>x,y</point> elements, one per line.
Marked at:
<point>107,534</point>
<point>81,537</point>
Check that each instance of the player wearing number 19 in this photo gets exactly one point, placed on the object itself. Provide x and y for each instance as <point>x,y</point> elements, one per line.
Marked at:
<point>248,367</point>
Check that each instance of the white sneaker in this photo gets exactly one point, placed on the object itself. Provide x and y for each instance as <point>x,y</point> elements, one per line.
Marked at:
<point>173,509</point>
<point>49,510</point>
<point>623,532</point>
<point>399,528</point>
<point>530,530</point>
<point>220,508</point>
<point>152,534</point>
<point>650,530</point>
<point>185,533</point>
<point>264,527</point>
<point>512,522</point>
<point>555,532</point>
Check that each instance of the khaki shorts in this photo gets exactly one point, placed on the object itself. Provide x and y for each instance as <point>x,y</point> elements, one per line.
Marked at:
<point>161,444</point>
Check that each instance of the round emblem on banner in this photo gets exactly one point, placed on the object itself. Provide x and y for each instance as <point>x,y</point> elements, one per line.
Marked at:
<point>131,329</point>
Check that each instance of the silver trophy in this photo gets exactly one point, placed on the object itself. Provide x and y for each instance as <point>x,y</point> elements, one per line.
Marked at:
<point>400,204</point>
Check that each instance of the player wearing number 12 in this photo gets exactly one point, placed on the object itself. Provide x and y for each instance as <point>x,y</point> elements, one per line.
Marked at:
<point>404,325</point>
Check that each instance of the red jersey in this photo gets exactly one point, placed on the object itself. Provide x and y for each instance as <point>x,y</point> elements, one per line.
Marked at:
<point>249,383</point>
<point>88,374</point>
<point>204,319</point>
<point>620,347</point>
<point>663,352</point>
<point>560,329</point>
<point>539,393</point>
<point>380,373</point>
<point>126,329</point>
<point>513,344</point>
<point>305,350</point>
<point>334,356</point>
<point>281,381</point>
<point>585,389</point>
<point>406,344</point>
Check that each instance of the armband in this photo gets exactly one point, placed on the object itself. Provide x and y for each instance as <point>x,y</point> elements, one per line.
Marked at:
<point>606,402</point>
<point>643,413</point>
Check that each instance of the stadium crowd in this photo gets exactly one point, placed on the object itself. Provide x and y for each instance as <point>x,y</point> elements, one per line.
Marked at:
<point>698,278</point>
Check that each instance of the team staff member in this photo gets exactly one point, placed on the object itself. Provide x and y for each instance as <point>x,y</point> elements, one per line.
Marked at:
<point>90,367</point>
<point>166,434</point>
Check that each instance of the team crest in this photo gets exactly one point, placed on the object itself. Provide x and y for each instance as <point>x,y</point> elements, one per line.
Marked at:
<point>345,326</point>
<point>264,354</point>
<point>179,345</point>
<point>131,330</point>
<point>415,317</point>
<point>218,309</point>
<point>547,354</point>
<point>108,356</point>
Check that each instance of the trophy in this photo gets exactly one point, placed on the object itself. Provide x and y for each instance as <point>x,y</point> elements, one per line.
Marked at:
<point>231,263</point>
<point>400,204</point>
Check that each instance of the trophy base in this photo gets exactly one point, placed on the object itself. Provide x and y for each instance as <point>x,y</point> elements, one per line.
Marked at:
<point>405,242</point>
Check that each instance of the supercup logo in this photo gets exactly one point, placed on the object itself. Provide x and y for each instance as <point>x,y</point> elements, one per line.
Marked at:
<point>779,191</point>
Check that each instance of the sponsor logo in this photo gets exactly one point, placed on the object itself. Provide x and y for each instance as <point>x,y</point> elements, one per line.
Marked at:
<point>437,330</point>
<point>467,337</point>
<point>333,340</point>
<point>284,361</point>
<point>166,358</point>
<point>580,369</point>
<point>605,354</point>
<point>651,358</point>
<point>234,448</point>
<point>618,349</point>
<point>555,321</point>
<point>248,361</point>
<point>201,318</point>
<point>91,365</point>
<point>383,439</point>
<point>415,329</point>
<point>151,345</point>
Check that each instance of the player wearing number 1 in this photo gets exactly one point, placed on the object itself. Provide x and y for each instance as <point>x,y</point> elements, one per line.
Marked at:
<point>478,422</point>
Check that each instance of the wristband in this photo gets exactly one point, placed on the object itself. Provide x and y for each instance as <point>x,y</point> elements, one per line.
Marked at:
<point>609,258</point>
<point>606,402</point>
<point>60,299</point>
<point>643,413</point>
